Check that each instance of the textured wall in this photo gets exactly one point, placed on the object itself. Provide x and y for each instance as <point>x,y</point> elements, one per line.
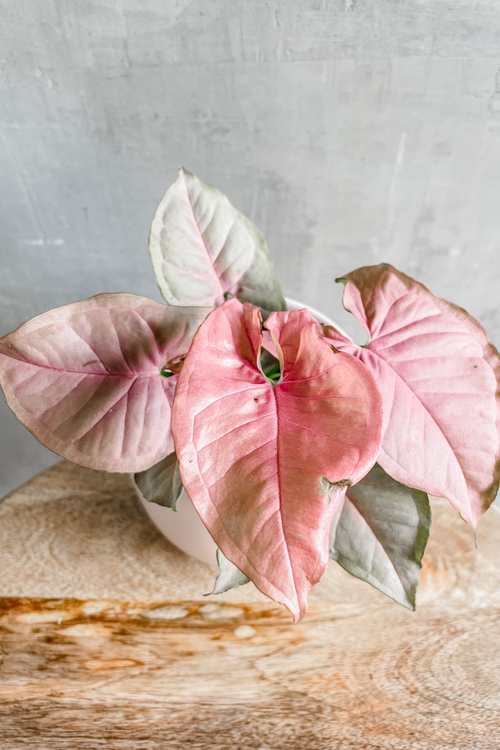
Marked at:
<point>350,131</point>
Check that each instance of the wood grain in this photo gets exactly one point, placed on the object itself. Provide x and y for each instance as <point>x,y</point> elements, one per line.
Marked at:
<point>90,659</point>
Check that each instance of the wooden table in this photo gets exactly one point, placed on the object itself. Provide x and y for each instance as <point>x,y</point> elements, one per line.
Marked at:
<point>107,641</point>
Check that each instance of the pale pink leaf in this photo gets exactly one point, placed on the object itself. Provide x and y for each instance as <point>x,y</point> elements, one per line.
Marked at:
<point>265,465</point>
<point>202,248</point>
<point>85,379</point>
<point>439,377</point>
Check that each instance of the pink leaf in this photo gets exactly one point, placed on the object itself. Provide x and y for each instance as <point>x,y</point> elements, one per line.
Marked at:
<point>439,376</point>
<point>85,378</point>
<point>265,465</point>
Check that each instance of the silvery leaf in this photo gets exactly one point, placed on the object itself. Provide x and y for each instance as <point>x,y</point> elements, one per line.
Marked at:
<point>162,483</point>
<point>229,576</point>
<point>380,535</point>
<point>204,250</point>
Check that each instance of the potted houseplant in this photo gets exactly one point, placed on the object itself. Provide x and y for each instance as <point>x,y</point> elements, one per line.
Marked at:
<point>293,444</point>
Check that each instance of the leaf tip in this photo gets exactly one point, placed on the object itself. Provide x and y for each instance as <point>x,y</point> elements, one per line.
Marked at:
<point>299,614</point>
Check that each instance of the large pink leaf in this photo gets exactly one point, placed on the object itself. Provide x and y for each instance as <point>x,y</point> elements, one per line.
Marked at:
<point>439,377</point>
<point>265,465</point>
<point>85,378</point>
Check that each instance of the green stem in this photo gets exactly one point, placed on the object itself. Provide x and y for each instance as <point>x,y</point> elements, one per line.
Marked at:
<point>273,372</point>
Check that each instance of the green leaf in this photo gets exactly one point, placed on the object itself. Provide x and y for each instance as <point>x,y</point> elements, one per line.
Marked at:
<point>204,250</point>
<point>162,483</point>
<point>229,576</point>
<point>380,535</point>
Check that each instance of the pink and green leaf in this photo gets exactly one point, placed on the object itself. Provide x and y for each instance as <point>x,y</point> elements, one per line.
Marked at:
<point>86,379</point>
<point>439,377</point>
<point>202,249</point>
<point>266,465</point>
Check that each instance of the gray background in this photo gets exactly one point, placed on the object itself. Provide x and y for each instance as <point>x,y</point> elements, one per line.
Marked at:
<point>350,131</point>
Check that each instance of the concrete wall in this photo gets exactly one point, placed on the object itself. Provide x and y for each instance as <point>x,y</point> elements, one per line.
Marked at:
<point>350,131</point>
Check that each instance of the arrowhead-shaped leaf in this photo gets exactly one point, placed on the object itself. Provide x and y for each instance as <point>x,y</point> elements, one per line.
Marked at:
<point>203,248</point>
<point>381,534</point>
<point>85,379</point>
<point>161,483</point>
<point>439,377</point>
<point>229,576</point>
<point>266,465</point>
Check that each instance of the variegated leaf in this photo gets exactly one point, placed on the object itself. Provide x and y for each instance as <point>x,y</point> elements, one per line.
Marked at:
<point>204,250</point>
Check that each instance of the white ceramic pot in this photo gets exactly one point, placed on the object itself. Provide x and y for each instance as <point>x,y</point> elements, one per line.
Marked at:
<point>184,528</point>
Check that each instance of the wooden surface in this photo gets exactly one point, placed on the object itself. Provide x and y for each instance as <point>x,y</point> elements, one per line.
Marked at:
<point>106,640</point>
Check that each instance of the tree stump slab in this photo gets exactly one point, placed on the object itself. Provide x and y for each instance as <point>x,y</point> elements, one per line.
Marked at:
<point>107,639</point>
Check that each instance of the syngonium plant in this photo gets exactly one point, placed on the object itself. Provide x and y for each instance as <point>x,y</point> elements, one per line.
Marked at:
<point>293,443</point>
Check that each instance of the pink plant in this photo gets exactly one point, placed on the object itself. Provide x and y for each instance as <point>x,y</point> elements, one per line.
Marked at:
<point>273,428</point>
